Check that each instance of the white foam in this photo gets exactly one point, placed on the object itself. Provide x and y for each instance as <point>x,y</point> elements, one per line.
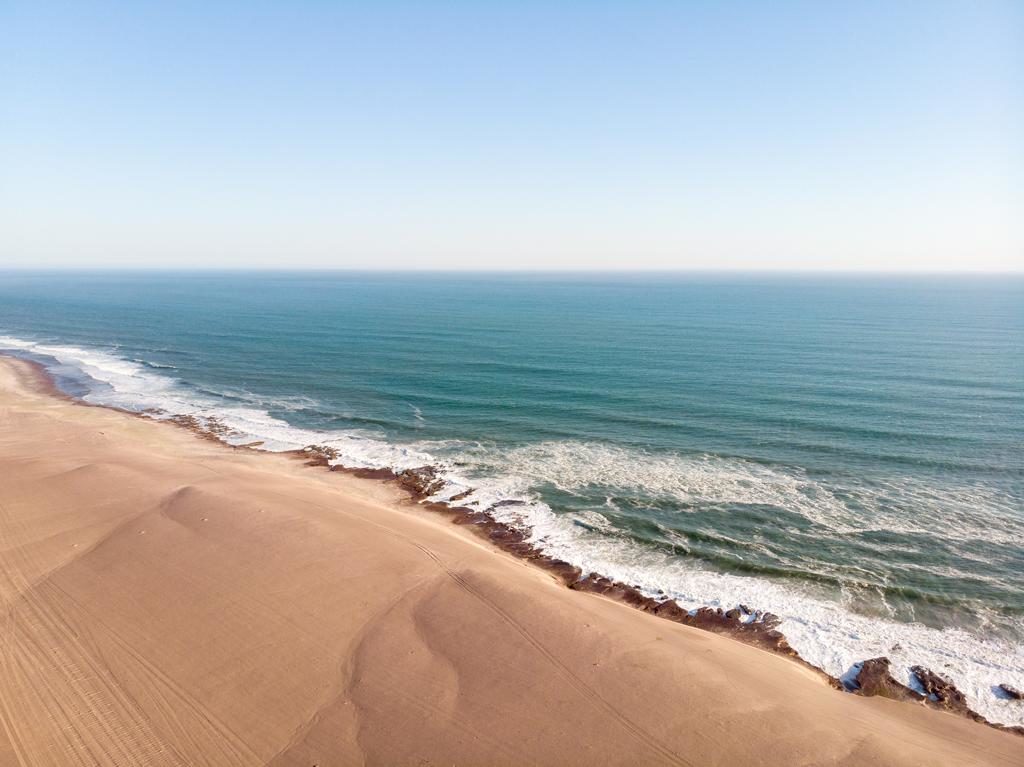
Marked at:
<point>156,365</point>
<point>717,482</point>
<point>129,385</point>
<point>417,415</point>
<point>821,629</point>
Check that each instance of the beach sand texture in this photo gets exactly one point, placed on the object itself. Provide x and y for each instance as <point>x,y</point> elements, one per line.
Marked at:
<point>167,600</point>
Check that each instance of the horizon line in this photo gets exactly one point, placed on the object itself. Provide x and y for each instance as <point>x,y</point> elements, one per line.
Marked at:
<point>518,271</point>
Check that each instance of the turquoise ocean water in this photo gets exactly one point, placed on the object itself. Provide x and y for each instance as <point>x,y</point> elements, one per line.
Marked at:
<point>845,452</point>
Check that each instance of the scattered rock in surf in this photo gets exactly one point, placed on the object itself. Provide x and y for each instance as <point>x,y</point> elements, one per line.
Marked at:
<point>460,496</point>
<point>568,573</point>
<point>364,473</point>
<point>760,632</point>
<point>940,690</point>
<point>508,539</point>
<point>320,455</point>
<point>209,427</point>
<point>1011,692</point>
<point>188,421</point>
<point>874,678</point>
<point>421,482</point>
<point>507,502</point>
<point>216,427</point>
<point>670,611</point>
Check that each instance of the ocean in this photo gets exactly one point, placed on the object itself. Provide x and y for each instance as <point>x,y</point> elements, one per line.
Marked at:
<point>846,451</point>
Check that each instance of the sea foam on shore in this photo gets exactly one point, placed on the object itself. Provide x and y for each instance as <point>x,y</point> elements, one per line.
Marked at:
<point>822,626</point>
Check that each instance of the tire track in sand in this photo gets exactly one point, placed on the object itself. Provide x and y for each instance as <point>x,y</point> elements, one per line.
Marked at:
<point>60,706</point>
<point>574,680</point>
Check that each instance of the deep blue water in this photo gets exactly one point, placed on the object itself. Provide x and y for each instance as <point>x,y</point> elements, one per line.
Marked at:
<point>844,451</point>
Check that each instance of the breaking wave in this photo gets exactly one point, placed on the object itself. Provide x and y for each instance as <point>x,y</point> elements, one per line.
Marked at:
<point>823,623</point>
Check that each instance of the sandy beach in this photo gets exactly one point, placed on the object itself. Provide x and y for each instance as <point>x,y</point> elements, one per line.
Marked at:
<point>167,600</point>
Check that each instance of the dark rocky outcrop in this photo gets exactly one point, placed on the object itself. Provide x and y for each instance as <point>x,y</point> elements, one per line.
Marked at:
<point>319,455</point>
<point>382,474</point>
<point>760,631</point>
<point>507,538</point>
<point>940,690</point>
<point>598,584</point>
<point>1011,692</point>
<point>874,678</point>
<point>207,427</point>
<point>421,482</point>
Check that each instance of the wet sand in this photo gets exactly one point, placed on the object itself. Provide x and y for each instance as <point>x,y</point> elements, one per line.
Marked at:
<point>170,600</point>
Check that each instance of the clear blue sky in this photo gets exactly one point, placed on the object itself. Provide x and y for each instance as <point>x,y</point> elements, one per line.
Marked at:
<point>859,135</point>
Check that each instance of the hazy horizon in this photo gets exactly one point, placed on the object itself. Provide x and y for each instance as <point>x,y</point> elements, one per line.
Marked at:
<point>646,137</point>
<point>512,271</point>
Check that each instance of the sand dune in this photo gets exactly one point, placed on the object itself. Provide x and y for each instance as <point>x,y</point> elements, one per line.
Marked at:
<point>166,600</point>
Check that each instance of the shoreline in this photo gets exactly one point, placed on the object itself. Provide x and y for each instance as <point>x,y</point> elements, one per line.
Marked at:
<point>817,620</point>
<point>753,627</point>
<point>502,541</point>
<point>750,626</point>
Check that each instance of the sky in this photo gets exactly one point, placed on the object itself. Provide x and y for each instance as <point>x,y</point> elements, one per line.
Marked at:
<point>513,135</point>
